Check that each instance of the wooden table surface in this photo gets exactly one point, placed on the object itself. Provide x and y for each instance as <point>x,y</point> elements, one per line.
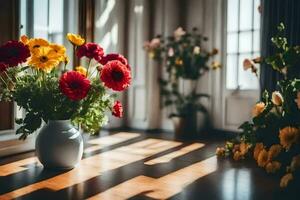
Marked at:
<point>128,165</point>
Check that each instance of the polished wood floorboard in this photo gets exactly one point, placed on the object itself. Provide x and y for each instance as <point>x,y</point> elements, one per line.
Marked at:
<point>129,165</point>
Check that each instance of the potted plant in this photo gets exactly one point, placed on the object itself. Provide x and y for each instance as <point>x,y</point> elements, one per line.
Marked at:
<point>185,62</point>
<point>35,76</point>
<point>271,137</point>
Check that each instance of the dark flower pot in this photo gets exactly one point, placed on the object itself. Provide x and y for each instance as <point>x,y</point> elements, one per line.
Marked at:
<point>185,128</point>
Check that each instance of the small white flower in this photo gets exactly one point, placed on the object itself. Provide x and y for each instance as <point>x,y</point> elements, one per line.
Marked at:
<point>284,70</point>
<point>196,50</point>
<point>247,64</point>
<point>277,98</point>
<point>155,43</point>
<point>171,52</point>
<point>178,33</point>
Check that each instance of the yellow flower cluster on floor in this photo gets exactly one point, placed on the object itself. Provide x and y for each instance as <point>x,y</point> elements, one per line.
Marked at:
<point>44,55</point>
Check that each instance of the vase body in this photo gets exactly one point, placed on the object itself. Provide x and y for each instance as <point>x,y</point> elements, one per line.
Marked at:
<point>59,145</point>
<point>185,128</point>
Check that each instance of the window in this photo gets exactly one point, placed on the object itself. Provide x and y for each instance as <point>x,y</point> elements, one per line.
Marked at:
<point>51,20</point>
<point>243,41</point>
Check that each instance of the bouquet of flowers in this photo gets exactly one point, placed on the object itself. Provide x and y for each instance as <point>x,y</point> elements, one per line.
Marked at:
<point>273,134</point>
<point>184,58</point>
<point>33,73</point>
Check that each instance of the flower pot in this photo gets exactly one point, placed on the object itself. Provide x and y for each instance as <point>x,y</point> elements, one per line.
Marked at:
<point>185,128</point>
<point>59,145</point>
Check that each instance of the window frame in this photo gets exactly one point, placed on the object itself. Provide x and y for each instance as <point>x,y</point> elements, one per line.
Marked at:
<point>252,52</point>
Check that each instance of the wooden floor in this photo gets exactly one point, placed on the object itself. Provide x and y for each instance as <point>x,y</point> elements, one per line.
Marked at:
<point>132,166</point>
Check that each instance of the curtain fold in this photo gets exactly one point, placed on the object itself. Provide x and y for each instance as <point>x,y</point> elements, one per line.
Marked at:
<point>274,12</point>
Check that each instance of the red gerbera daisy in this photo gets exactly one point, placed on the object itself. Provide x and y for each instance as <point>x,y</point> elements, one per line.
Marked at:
<point>3,66</point>
<point>113,56</point>
<point>90,50</point>
<point>115,75</point>
<point>74,85</point>
<point>117,109</point>
<point>13,53</point>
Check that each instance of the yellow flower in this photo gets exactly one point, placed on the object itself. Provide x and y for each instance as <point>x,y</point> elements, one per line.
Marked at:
<point>288,136</point>
<point>257,149</point>
<point>178,61</point>
<point>24,39</point>
<point>274,151</point>
<point>215,65</point>
<point>262,159</point>
<point>36,43</point>
<point>277,98</point>
<point>285,180</point>
<point>59,50</point>
<point>258,109</point>
<point>244,148</point>
<point>295,164</point>
<point>237,155</point>
<point>273,166</point>
<point>44,58</point>
<point>81,70</point>
<point>75,39</point>
<point>214,52</point>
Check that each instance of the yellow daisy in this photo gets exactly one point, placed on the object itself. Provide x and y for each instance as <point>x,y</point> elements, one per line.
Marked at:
<point>75,39</point>
<point>36,43</point>
<point>59,50</point>
<point>81,70</point>
<point>24,39</point>
<point>44,58</point>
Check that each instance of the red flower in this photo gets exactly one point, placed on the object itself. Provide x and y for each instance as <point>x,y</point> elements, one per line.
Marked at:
<point>74,85</point>
<point>117,109</point>
<point>115,75</point>
<point>13,53</point>
<point>113,56</point>
<point>90,50</point>
<point>3,66</point>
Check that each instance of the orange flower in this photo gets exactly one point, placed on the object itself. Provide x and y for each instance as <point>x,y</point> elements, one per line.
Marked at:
<point>220,151</point>
<point>285,180</point>
<point>24,39</point>
<point>258,109</point>
<point>257,149</point>
<point>295,164</point>
<point>288,136</point>
<point>244,148</point>
<point>237,155</point>
<point>274,151</point>
<point>262,159</point>
<point>273,166</point>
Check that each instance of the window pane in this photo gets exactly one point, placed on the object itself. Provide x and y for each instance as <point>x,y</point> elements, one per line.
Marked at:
<point>56,20</point>
<point>232,43</point>
<point>231,72</point>
<point>41,18</point>
<point>246,9</point>
<point>256,15</point>
<point>232,15</point>
<point>256,41</point>
<point>247,80</point>
<point>245,42</point>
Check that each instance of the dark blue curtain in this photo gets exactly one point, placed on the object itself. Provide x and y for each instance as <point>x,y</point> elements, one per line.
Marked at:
<point>274,12</point>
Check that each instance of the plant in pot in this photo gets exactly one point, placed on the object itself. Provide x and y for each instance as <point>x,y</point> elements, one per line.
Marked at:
<point>34,74</point>
<point>185,62</point>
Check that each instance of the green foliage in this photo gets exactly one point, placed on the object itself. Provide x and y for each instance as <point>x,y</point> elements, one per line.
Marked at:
<point>39,94</point>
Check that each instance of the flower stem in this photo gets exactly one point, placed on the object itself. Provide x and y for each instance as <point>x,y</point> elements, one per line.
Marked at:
<point>87,71</point>
<point>4,82</point>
